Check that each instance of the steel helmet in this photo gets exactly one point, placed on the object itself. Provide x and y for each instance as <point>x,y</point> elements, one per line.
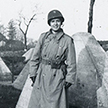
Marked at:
<point>55,14</point>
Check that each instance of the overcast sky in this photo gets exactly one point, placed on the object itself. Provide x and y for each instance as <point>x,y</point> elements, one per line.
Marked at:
<point>75,12</point>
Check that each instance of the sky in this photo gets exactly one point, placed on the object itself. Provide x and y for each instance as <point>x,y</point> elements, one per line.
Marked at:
<point>75,12</point>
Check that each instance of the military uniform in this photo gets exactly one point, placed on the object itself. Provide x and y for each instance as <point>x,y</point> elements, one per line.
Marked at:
<point>49,90</point>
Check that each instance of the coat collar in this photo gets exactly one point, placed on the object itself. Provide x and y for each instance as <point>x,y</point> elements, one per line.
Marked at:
<point>58,35</point>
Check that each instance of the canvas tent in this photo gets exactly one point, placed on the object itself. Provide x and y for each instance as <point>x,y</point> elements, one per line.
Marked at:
<point>91,86</point>
<point>5,73</point>
<point>28,54</point>
<point>102,92</point>
<point>25,94</point>
<point>22,77</point>
<point>91,68</point>
<point>23,82</point>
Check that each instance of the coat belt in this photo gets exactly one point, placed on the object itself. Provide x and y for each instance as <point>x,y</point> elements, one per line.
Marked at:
<point>55,64</point>
<point>46,62</point>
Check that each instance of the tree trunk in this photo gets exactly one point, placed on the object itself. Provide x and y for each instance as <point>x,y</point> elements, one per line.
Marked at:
<point>90,25</point>
<point>25,41</point>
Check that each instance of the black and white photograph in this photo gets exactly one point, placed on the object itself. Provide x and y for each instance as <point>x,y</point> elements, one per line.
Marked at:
<point>53,53</point>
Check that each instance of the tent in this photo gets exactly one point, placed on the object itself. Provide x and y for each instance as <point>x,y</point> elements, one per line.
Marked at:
<point>25,94</point>
<point>21,79</point>
<point>91,86</point>
<point>92,64</point>
<point>23,82</point>
<point>28,54</point>
<point>102,92</point>
<point>5,73</point>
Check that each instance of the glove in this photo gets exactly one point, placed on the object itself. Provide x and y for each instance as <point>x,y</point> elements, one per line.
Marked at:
<point>67,85</point>
<point>33,79</point>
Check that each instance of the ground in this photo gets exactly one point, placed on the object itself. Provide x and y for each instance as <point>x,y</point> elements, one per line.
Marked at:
<point>8,96</point>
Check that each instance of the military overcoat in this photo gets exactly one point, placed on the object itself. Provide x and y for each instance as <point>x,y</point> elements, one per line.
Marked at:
<point>49,89</point>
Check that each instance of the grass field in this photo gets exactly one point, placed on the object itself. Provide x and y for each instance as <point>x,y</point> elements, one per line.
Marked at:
<point>8,96</point>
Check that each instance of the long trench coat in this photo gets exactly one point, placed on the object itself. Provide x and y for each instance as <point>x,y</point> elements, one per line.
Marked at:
<point>49,89</point>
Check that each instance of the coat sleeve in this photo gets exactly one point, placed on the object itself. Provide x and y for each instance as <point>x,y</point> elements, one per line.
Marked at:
<point>34,61</point>
<point>71,62</point>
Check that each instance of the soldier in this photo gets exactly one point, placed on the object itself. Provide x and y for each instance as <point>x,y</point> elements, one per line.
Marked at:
<point>52,66</point>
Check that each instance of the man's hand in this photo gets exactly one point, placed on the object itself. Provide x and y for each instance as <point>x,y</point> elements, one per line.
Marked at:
<point>33,79</point>
<point>67,85</point>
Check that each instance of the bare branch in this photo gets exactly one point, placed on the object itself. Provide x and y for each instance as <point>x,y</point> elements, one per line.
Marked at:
<point>21,29</point>
<point>32,18</point>
<point>26,21</point>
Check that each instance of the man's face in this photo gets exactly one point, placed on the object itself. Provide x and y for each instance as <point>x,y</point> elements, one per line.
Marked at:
<point>55,24</point>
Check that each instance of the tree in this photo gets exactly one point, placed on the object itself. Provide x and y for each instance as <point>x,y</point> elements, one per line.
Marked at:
<point>31,43</point>
<point>90,16</point>
<point>25,20</point>
<point>11,30</point>
<point>2,29</point>
<point>19,35</point>
<point>27,24</point>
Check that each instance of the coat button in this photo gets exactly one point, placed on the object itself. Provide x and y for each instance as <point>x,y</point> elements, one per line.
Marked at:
<point>45,55</point>
<point>54,75</point>
<point>57,55</point>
